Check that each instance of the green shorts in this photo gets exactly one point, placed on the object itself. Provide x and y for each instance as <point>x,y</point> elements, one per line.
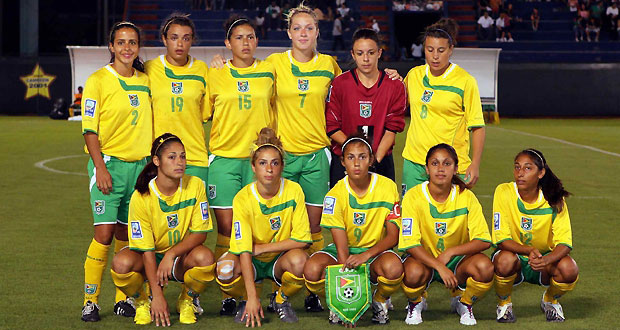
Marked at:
<point>527,274</point>
<point>226,177</point>
<point>201,172</point>
<point>452,265</point>
<point>414,174</point>
<point>159,257</point>
<point>113,208</point>
<point>311,171</point>
<point>266,270</point>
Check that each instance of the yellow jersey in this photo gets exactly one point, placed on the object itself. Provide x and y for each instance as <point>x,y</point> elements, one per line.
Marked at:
<point>158,222</point>
<point>443,110</point>
<point>180,104</point>
<point>439,226</point>
<point>118,110</point>
<point>536,224</point>
<point>363,218</point>
<point>302,89</point>
<point>260,221</point>
<point>242,101</point>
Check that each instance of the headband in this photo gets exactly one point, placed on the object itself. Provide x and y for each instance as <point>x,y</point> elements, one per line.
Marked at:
<point>537,154</point>
<point>161,141</point>
<point>440,30</point>
<point>358,139</point>
<point>233,25</point>
<point>269,145</point>
<point>165,30</point>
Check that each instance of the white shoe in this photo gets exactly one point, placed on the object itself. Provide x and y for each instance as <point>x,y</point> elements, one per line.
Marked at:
<point>454,302</point>
<point>505,314</point>
<point>388,303</point>
<point>334,318</point>
<point>380,313</point>
<point>553,312</point>
<point>466,313</point>
<point>414,312</point>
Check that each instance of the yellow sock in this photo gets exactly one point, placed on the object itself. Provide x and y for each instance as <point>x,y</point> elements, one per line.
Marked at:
<point>318,242</point>
<point>557,290</point>
<point>475,290</point>
<point>503,288</point>
<point>414,295</point>
<point>318,287</point>
<point>131,284</point>
<point>385,287</point>
<point>456,292</point>
<point>96,259</point>
<point>196,280</point>
<point>274,286</point>
<point>221,246</point>
<point>234,289</point>
<point>119,245</point>
<point>291,284</point>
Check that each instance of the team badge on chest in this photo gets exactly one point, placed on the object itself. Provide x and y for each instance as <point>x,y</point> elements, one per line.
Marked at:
<point>526,223</point>
<point>134,100</point>
<point>359,218</point>
<point>243,86</point>
<point>365,110</point>
<point>441,228</point>
<point>275,223</point>
<point>427,96</point>
<point>173,220</point>
<point>177,87</point>
<point>303,84</point>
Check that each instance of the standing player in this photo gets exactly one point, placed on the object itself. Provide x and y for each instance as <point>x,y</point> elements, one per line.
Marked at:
<point>364,100</point>
<point>445,106</point>
<point>179,87</point>
<point>531,228</point>
<point>242,94</point>
<point>362,213</point>
<point>444,233</point>
<point>117,127</point>
<point>169,223</point>
<point>270,232</point>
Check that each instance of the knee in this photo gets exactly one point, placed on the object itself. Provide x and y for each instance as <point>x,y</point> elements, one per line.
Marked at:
<point>568,270</point>
<point>313,270</point>
<point>104,237</point>
<point>202,256</point>
<point>122,263</point>
<point>505,263</point>
<point>392,269</point>
<point>296,262</point>
<point>415,275</point>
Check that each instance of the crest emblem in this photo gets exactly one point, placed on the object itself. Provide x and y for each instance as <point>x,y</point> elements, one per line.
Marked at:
<point>329,204</point>
<point>89,108</point>
<point>243,86</point>
<point>177,87</point>
<point>303,84</point>
<point>427,96</point>
<point>496,221</point>
<point>136,230</point>
<point>275,223</point>
<point>441,228</point>
<point>348,290</point>
<point>90,288</point>
<point>407,225</point>
<point>526,223</point>
<point>359,218</point>
<point>99,207</point>
<point>173,220</point>
<point>134,100</point>
<point>212,191</point>
<point>204,208</point>
<point>365,110</point>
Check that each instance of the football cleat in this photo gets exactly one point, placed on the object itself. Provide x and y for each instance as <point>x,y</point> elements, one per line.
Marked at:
<point>228,307</point>
<point>505,314</point>
<point>467,314</point>
<point>125,308</point>
<point>553,312</point>
<point>286,312</point>
<point>186,314</point>
<point>240,312</point>
<point>312,303</point>
<point>380,313</point>
<point>414,312</point>
<point>143,312</point>
<point>90,312</point>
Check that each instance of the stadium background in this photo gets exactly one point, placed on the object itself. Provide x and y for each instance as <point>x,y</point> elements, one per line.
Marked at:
<point>45,218</point>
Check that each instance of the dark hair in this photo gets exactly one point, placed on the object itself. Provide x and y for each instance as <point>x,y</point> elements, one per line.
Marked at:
<point>137,62</point>
<point>361,138</point>
<point>267,139</point>
<point>551,185</point>
<point>366,33</point>
<point>445,28</point>
<point>150,169</point>
<point>450,150</point>
<point>236,20</point>
<point>179,19</point>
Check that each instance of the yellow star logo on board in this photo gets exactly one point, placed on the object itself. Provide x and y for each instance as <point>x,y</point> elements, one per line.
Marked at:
<point>37,83</point>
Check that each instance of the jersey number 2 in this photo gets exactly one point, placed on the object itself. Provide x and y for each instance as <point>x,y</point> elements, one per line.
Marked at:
<point>135,115</point>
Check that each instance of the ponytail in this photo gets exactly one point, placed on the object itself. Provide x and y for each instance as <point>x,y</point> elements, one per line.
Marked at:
<point>137,63</point>
<point>150,170</point>
<point>550,184</point>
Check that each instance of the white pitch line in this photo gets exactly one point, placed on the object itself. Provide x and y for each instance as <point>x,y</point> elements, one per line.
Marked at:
<point>42,165</point>
<point>560,141</point>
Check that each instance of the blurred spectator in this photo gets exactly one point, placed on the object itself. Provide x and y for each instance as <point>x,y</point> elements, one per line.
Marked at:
<point>416,51</point>
<point>434,5</point>
<point>273,15</point>
<point>485,27</point>
<point>285,11</point>
<point>503,28</point>
<point>573,5</point>
<point>337,33</point>
<point>319,14</point>
<point>579,27</point>
<point>484,5</point>
<point>596,11</point>
<point>76,107</point>
<point>339,2</point>
<point>535,18</point>
<point>260,23</point>
<point>583,12</point>
<point>413,5</point>
<point>612,15</point>
<point>495,5</point>
<point>398,6</point>
<point>375,26</point>
<point>345,17</point>
<point>214,4</point>
<point>593,27</point>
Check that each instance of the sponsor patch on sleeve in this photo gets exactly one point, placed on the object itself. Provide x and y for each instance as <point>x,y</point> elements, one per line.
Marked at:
<point>496,224</point>
<point>237,228</point>
<point>329,204</point>
<point>407,224</point>
<point>204,208</point>
<point>136,230</point>
<point>90,106</point>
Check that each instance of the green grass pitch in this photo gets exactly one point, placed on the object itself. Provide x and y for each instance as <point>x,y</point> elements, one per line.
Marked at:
<point>46,229</point>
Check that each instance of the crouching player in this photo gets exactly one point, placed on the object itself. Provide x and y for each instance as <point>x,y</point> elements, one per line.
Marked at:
<point>531,228</point>
<point>361,211</point>
<point>168,223</point>
<point>444,233</point>
<point>270,231</point>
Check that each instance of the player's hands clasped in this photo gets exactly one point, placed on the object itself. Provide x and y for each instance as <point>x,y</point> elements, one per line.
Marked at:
<point>253,313</point>
<point>159,311</point>
<point>104,180</point>
<point>536,260</point>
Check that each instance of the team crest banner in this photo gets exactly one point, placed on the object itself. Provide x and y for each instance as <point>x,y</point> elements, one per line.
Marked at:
<point>347,292</point>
